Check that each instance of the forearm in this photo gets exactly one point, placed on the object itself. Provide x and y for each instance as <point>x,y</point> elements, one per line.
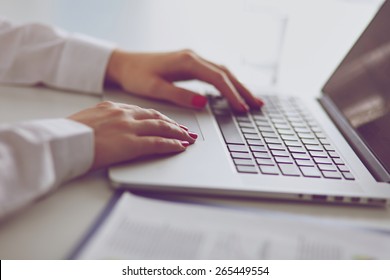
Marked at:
<point>37,156</point>
<point>36,53</point>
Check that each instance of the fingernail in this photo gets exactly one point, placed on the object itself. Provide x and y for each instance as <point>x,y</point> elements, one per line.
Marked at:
<point>260,102</point>
<point>193,135</point>
<point>185,144</point>
<point>199,101</point>
<point>183,127</point>
<point>244,107</point>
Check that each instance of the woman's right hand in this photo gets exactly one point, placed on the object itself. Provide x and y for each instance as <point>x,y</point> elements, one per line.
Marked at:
<point>124,132</point>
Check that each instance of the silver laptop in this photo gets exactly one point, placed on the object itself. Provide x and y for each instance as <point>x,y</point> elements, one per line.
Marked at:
<point>333,149</point>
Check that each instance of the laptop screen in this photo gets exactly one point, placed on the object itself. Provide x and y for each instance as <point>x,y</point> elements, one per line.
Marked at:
<point>360,86</point>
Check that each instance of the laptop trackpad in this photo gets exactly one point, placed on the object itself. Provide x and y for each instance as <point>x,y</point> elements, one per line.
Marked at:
<point>186,118</point>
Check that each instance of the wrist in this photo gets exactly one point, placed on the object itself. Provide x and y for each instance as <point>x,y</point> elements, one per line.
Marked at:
<point>114,67</point>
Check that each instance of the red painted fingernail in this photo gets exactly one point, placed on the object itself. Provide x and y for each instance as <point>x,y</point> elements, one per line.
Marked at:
<point>199,101</point>
<point>185,144</point>
<point>193,135</point>
<point>260,102</point>
<point>183,127</point>
<point>244,107</point>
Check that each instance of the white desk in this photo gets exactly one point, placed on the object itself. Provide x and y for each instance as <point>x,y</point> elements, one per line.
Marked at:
<point>50,228</point>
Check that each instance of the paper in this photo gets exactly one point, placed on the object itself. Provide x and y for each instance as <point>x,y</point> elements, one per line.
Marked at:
<point>143,228</point>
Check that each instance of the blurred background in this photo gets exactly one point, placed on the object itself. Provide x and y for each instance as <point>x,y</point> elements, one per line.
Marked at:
<point>291,46</point>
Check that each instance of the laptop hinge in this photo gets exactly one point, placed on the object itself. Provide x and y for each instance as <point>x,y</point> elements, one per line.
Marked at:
<point>360,148</point>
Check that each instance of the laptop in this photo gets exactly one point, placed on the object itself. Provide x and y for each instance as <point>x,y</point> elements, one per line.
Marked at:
<point>333,149</point>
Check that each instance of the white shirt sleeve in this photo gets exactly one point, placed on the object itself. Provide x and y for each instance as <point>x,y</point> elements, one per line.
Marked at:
<point>36,53</point>
<point>36,156</point>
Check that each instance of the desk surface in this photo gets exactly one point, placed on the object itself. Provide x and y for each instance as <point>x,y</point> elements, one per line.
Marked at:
<point>50,228</point>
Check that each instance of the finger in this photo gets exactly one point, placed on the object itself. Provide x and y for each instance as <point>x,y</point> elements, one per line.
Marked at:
<point>253,101</point>
<point>163,129</point>
<point>181,96</point>
<point>150,145</point>
<point>139,113</point>
<point>208,73</point>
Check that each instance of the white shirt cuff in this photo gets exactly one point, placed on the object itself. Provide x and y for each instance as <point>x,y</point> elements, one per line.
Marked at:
<point>83,64</point>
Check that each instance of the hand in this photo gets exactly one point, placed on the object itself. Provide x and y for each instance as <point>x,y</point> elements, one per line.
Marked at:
<point>125,132</point>
<point>152,75</point>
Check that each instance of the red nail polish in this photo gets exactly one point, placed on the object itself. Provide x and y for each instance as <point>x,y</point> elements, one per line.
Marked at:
<point>185,144</point>
<point>193,135</point>
<point>199,101</point>
<point>244,107</point>
<point>260,102</point>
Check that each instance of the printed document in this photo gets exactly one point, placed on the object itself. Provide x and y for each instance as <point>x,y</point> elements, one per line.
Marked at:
<point>145,228</point>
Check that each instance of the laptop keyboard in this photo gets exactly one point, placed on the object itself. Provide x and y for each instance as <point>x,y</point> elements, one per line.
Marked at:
<point>281,139</point>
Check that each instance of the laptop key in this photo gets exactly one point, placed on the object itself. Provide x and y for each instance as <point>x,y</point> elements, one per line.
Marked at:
<point>260,118</point>
<point>255,142</point>
<point>248,130</point>
<point>265,128</point>
<point>295,119</point>
<point>338,161</point>
<point>293,143</point>
<point>262,123</point>
<point>264,161</point>
<point>229,130</point>
<point>281,126</point>
<point>302,130</point>
<point>275,114</point>
<point>285,131</point>
<point>261,155</point>
<point>237,155</point>
<point>278,153</point>
<point>331,174</point>
<point>304,162</point>
<point>272,141</point>
<point>241,161</point>
<point>269,134</point>
<point>294,149</point>
<point>258,148</point>
<point>289,137</point>
<point>276,147</point>
<point>306,135</point>
<point>320,135</point>
<point>327,167</point>
<point>318,154</point>
<point>310,141</point>
<point>323,160</point>
<point>298,124</point>
<point>269,170</point>
<point>343,168</point>
<point>324,141</point>
<point>251,136</point>
<point>348,175</point>
<point>316,129</point>
<point>246,169</point>
<point>314,148</point>
<point>328,148</point>
<point>310,171</point>
<point>283,159</point>
<point>237,148</point>
<point>300,156</point>
<point>243,119</point>
<point>289,169</point>
<point>245,124</point>
<point>333,154</point>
